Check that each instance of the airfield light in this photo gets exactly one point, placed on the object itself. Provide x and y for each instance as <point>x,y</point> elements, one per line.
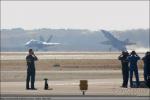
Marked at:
<point>83,86</point>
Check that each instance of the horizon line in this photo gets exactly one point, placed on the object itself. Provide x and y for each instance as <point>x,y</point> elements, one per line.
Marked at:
<point>73,29</point>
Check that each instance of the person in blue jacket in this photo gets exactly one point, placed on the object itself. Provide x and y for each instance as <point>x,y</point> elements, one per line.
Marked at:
<point>145,66</point>
<point>133,59</point>
<point>30,59</point>
<point>125,68</point>
<point>148,69</point>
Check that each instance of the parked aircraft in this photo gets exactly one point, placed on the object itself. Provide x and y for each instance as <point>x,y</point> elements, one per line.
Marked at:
<point>114,42</point>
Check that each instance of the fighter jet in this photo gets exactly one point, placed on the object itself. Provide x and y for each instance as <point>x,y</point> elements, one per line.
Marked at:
<point>40,44</point>
<point>116,43</point>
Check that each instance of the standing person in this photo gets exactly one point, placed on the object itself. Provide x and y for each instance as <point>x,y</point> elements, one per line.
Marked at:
<point>133,58</point>
<point>125,68</point>
<point>30,58</point>
<point>147,61</point>
<point>145,66</point>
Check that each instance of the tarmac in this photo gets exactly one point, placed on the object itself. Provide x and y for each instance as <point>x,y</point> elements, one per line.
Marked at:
<point>101,87</point>
<point>75,98</point>
<point>60,55</point>
<point>64,84</point>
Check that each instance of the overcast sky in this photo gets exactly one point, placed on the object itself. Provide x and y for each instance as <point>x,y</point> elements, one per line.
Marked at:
<point>93,15</point>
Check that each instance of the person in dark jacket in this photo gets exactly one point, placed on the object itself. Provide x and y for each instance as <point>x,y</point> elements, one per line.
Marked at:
<point>30,59</point>
<point>133,58</point>
<point>125,68</point>
<point>145,66</point>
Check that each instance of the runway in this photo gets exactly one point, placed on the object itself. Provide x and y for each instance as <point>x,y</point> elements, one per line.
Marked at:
<point>63,55</point>
<point>102,70</point>
<point>101,87</point>
<point>20,76</point>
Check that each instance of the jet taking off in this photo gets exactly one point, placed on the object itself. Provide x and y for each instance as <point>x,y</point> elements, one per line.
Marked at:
<point>114,42</point>
<point>40,44</point>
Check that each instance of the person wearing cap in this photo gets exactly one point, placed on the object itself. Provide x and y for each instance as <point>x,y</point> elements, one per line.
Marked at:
<point>133,59</point>
<point>125,68</point>
<point>30,59</point>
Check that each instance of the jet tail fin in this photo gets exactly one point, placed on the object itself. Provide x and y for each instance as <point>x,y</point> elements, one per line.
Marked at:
<point>50,38</point>
<point>41,38</point>
<point>126,40</point>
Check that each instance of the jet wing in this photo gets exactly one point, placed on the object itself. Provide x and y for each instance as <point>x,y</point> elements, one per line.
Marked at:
<point>50,38</point>
<point>130,43</point>
<point>50,44</point>
<point>127,42</point>
<point>109,36</point>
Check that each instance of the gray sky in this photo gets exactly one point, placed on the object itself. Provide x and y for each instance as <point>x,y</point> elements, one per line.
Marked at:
<point>93,15</point>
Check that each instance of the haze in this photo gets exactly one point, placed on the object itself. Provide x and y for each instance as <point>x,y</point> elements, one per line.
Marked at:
<point>92,15</point>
